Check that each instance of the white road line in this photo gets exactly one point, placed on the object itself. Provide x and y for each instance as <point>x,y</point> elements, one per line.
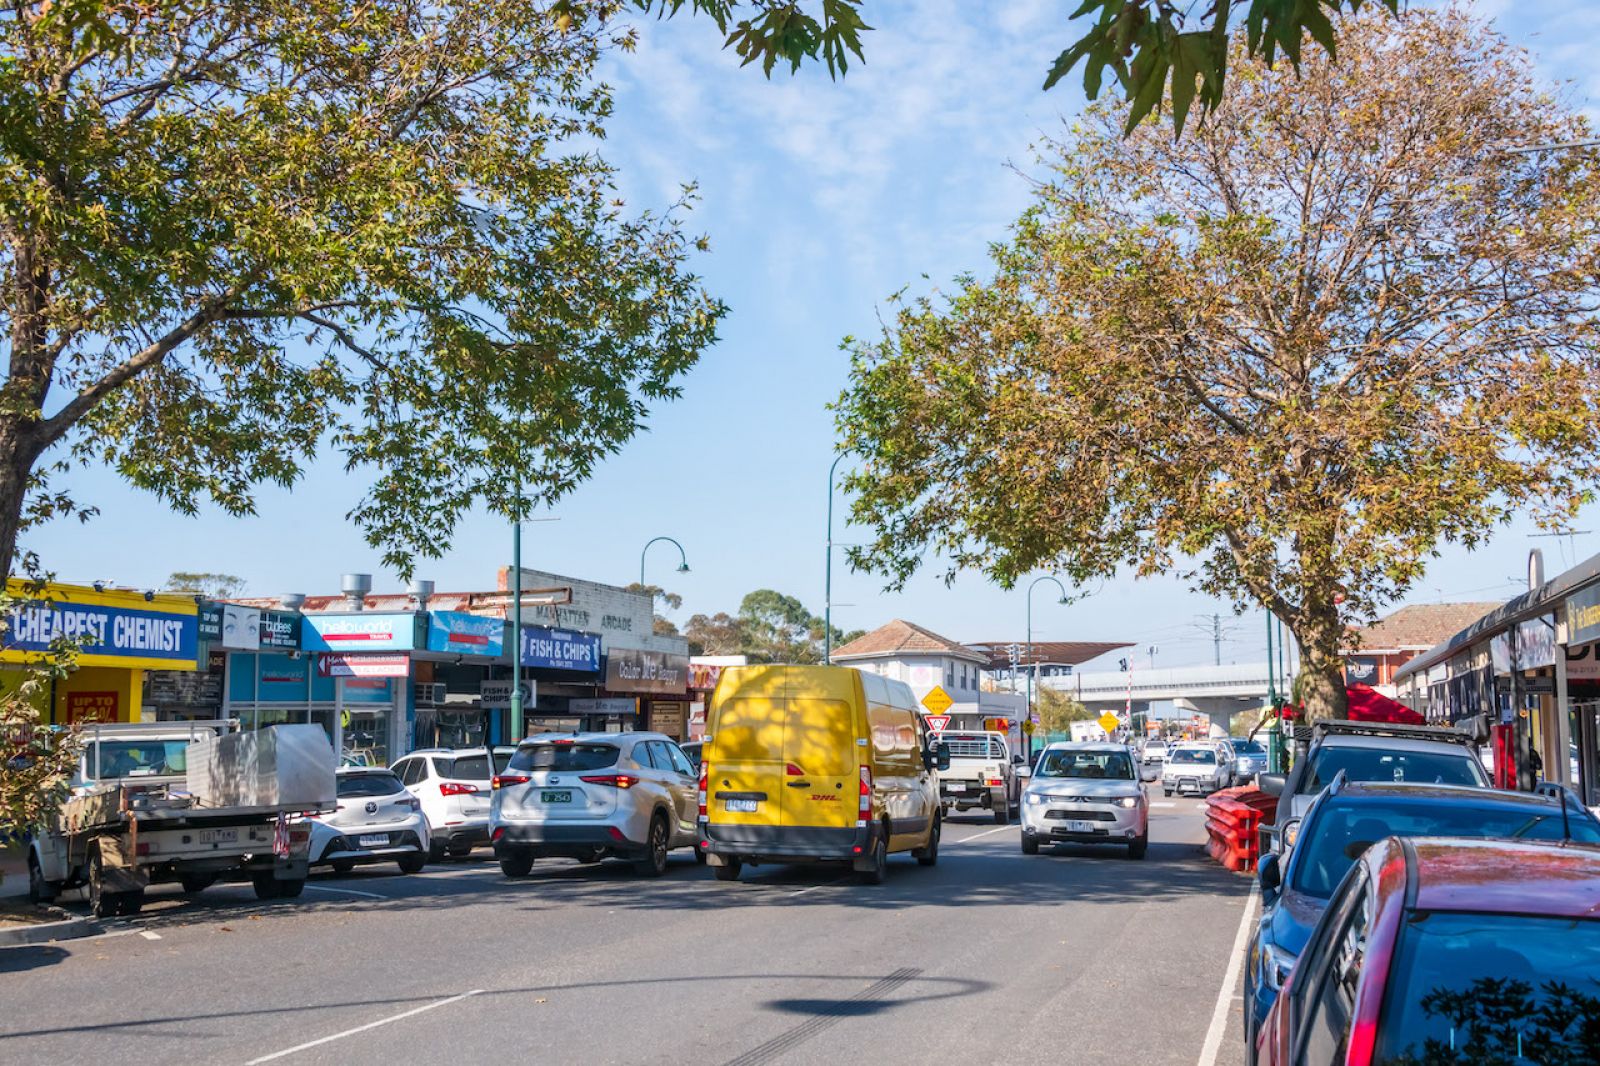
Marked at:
<point>1219,1015</point>
<point>345,891</point>
<point>364,1028</point>
<point>826,884</point>
<point>974,836</point>
<point>148,935</point>
<point>1163,803</point>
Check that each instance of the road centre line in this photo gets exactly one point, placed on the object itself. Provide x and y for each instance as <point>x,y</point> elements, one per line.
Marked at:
<point>345,891</point>
<point>363,1028</point>
<point>1219,1015</point>
<point>975,836</point>
<point>1162,803</point>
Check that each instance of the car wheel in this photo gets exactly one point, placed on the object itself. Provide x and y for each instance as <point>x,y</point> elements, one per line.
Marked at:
<point>1166,792</point>
<point>1137,846</point>
<point>193,883</point>
<point>460,851</point>
<point>39,890</point>
<point>729,870</point>
<point>435,851</point>
<point>1030,844</point>
<point>412,864</point>
<point>516,864</point>
<point>929,855</point>
<point>1000,816</point>
<point>266,885</point>
<point>291,888</point>
<point>102,904</point>
<point>130,903</point>
<point>654,863</point>
<point>875,874</point>
<point>343,866</point>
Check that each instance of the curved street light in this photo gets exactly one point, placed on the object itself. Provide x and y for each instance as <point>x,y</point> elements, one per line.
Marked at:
<point>1034,665</point>
<point>683,558</point>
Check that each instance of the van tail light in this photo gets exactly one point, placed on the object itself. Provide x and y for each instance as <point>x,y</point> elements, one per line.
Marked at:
<point>456,788</point>
<point>793,771</point>
<point>866,794</point>
<point>702,790</point>
<point>499,781</point>
<point>617,780</point>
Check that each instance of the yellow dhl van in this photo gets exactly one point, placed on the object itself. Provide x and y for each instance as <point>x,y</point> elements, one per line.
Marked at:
<point>816,764</point>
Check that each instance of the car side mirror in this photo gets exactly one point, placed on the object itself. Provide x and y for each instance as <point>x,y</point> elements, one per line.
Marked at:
<point>1024,772</point>
<point>941,755</point>
<point>1271,784</point>
<point>1270,876</point>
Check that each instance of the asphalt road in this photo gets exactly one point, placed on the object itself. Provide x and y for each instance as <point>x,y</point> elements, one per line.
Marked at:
<point>1079,956</point>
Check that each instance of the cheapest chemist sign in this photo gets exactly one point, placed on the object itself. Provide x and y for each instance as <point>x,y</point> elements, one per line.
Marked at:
<point>106,627</point>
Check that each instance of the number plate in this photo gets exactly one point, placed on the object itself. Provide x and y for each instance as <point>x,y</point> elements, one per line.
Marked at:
<point>741,806</point>
<point>1080,827</point>
<point>373,840</point>
<point>218,836</point>
<point>563,796</point>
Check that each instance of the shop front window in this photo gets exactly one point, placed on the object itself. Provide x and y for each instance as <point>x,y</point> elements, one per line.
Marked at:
<point>366,737</point>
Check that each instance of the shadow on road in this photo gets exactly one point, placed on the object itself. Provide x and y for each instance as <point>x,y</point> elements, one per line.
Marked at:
<point>30,957</point>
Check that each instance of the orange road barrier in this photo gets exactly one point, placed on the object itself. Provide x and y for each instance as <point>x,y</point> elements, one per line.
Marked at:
<point>1233,821</point>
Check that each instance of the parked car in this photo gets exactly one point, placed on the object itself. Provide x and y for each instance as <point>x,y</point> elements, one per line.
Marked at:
<point>1250,759</point>
<point>1370,751</point>
<point>453,785</point>
<point>817,764</point>
<point>1155,750</point>
<point>376,820</point>
<point>1442,950</point>
<point>982,774</point>
<point>1085,794</point>
<point>500,757</point>
<point>1343,822</point>
<point>592,795</point>
<point>1195,766</point>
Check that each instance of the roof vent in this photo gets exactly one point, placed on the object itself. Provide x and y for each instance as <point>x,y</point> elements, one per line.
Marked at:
<point>293,601</point>
<point>421,591</point>
<point>355,588</point>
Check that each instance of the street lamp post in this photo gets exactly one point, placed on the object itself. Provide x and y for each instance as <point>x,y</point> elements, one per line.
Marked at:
<point>827,573</point>
<point>1035,665</point>
<point>683,559</point>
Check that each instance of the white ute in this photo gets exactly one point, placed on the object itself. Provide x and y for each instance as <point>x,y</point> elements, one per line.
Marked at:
<point>981,774</point>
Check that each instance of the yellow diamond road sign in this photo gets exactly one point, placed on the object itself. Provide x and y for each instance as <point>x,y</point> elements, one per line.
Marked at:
<point>1109,722</point>
<point>937,701</point>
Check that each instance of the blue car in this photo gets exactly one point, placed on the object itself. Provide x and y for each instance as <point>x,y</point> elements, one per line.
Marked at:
<point>1250,759</point>
<point>1348,818</point>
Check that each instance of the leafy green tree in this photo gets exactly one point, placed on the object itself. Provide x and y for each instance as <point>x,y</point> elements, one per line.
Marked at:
<point>212,586</point>
<point>771,627</point>
<point>661,625</point>
<point>1058,710</point>
<point>717,634</point>
<point>1143,44</point>
<point>1284,357</point>
<point>234,234</point>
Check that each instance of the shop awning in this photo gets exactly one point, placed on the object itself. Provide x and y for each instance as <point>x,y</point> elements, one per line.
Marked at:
<point>1369,705</point>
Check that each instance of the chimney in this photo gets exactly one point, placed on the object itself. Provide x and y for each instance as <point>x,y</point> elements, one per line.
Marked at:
<point>421,591</point>
<point>355,588</point>
<point>293,601</point>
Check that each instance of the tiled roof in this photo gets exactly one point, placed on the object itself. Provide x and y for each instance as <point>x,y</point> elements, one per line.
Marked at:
<point>901,637</point>
<point>1418,627</point>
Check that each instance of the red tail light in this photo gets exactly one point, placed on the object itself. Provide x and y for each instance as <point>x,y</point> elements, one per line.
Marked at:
<point>619,780</point>
<point>499,832</point>
<point>703,775</point>
<point>866,794</point>
<point>456,788</point>
<point>616,834</point>
<point>499,781</point>
<point>992,781</point>
<point>793,771</point>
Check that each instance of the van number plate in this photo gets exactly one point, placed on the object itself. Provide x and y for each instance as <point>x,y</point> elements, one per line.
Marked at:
<point>555,797</point>
<point>741,806</point>
<point>218,836</point>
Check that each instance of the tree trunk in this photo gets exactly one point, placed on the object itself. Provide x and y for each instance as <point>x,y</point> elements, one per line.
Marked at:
<point>1321,681</point>
<point>18,453</point>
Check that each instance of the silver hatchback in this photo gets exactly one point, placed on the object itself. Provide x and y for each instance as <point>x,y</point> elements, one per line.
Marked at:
<point>1085,794</point>
<point>587,796</point>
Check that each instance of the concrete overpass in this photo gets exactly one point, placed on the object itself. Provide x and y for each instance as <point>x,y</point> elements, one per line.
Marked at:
<point>1218,691</point>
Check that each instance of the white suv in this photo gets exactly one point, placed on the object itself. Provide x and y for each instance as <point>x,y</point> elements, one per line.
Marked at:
<point>453,786</point>
<point>590,795</point>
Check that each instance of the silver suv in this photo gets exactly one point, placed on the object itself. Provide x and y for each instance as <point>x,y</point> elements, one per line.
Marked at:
<point>589,795</point>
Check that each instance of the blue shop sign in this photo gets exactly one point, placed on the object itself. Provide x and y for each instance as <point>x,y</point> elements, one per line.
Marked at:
<point>466,634</point>
<point>124,634</point>
<point>547,648</point>
<point>361,631</point>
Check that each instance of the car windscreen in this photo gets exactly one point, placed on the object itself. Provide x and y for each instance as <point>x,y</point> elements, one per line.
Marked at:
<point>1091,765</point>
<point>1440,767</point>
<point>356,786</point>
<point>1204,756</point>
<point>137,758</point>
<point>466,768</point>
<point>564,757</point>
<point>1249,747</point>
<point>1492,988</point>
<point>1335,836</point>
<point>973,746</point>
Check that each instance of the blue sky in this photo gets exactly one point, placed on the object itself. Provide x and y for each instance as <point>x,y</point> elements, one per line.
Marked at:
<point>820,198</point>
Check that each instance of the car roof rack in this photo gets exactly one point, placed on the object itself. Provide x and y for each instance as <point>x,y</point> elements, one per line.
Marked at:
<point>1344,728</point>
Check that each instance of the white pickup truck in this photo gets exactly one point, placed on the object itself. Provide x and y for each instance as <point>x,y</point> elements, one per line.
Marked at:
<point>184,801</point>
<point>981,774</point>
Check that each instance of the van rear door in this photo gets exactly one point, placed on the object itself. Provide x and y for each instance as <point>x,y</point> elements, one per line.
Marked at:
<point>744,762</point>
<point>821,785</point>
